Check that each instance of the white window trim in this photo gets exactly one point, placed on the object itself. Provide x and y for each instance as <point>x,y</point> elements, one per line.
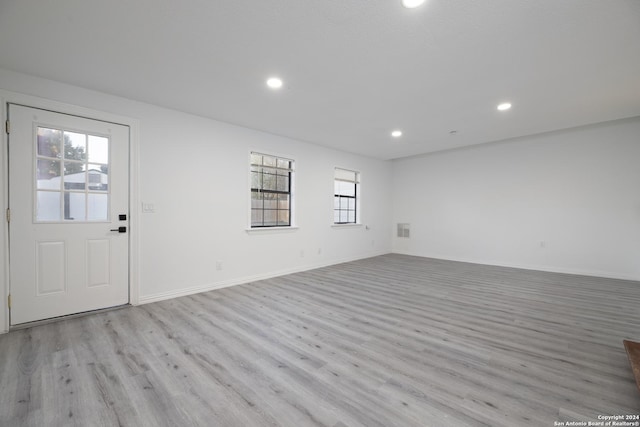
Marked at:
<point>292,200</point>
<point>349,225</point>
<point>358,222</point>
<point>274,230</point>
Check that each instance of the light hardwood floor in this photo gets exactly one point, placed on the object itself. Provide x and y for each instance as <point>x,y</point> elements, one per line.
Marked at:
<point>388,341</point>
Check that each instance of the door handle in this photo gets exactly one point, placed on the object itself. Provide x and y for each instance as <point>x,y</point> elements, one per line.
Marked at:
<point>120,229</point>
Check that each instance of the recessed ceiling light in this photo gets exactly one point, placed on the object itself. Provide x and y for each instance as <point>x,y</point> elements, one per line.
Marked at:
<point>410,4</point>
<point>396,133</point>
<point>274,83</point>
<point>504,106</point>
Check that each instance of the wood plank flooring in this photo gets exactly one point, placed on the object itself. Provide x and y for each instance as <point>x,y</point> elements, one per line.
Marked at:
<point>387,341</point>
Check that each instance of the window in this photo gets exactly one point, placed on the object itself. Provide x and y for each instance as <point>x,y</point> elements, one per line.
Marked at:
<point>345,199</point>
<point>72,176</point>
<point>271,179</point>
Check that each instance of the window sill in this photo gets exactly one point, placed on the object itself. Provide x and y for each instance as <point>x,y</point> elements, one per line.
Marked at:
<point>268,230</point>
<point>346,225</point>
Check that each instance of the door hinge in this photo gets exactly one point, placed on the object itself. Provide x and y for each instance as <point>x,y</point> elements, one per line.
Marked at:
<point>9,300</point>
<point>8,215</point>
<point>7,126</point>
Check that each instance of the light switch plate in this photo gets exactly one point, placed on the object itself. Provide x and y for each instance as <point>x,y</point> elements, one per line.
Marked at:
<point>148,207</point>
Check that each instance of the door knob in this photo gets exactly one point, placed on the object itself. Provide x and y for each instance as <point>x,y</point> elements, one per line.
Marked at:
<point>120,229</point>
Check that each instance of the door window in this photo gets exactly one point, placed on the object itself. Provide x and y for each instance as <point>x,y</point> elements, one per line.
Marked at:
<point>71,176</point>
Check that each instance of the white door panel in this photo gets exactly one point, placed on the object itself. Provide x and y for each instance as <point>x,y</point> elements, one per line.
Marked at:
<point>68,186</point>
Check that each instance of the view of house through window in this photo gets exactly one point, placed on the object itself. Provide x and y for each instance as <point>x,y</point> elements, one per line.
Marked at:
<point>271,179</point>
<point>345,199</point>
<point>72,176</point>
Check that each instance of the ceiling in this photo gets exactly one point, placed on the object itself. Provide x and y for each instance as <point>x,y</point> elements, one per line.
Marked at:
<point>353,70</point>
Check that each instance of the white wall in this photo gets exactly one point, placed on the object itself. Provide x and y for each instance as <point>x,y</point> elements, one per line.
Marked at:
<point>195,172</point>
<point>566,201</point>
<point>196,175</point>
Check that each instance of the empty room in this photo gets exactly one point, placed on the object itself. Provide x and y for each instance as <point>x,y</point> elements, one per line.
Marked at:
<point>320,213</point>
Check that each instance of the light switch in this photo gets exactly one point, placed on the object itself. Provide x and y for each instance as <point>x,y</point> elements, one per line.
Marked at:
<point>148,207</point>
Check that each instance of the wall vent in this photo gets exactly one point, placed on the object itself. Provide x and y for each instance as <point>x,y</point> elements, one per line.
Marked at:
<point>404,230</point>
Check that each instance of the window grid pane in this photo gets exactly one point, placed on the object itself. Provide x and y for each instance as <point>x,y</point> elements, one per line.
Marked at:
<point>62,168</point>
<point>270,191</point>
<point>345,204</point>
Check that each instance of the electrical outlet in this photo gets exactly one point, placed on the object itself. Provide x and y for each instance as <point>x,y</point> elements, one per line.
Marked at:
<point>301,253</point>
<point>218,265</point>
<point>319,251</point>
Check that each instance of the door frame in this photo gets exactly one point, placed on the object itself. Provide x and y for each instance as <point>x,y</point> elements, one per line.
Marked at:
<point>8,97</point>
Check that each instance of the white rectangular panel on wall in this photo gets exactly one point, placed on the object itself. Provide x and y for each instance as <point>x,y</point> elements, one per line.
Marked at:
<point>51,267</point>
<point>404,230</point>
<point>98,262</point>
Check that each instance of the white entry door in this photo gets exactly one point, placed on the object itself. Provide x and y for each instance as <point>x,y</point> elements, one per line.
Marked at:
<point>69,214</point>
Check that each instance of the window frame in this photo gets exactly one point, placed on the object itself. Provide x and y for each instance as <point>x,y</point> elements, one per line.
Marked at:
<point>356,196</point>
<point>276,193</point>
<point>67,188</point>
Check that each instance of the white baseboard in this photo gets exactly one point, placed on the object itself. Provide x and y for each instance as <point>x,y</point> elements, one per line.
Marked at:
<point>550,269</point>
<point>146,299</point>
